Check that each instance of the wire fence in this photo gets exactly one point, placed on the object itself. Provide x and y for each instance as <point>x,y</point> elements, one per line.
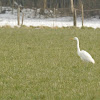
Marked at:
<point>56,12</point>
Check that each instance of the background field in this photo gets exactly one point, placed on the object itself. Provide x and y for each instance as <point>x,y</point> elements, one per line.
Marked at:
<point>42,64</point>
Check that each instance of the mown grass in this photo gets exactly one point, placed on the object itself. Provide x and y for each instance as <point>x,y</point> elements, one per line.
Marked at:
<point>42,64</point>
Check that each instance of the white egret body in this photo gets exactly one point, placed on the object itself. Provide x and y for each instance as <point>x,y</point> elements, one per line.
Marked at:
<point>85,56</point>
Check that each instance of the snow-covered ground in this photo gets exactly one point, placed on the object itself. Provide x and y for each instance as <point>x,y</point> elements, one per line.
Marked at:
<point>11,19</point>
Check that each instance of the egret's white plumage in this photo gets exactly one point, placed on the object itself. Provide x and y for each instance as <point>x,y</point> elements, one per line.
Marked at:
<point>85,56</point>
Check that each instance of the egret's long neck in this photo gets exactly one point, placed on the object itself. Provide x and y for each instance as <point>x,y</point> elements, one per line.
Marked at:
<point>78,48</point>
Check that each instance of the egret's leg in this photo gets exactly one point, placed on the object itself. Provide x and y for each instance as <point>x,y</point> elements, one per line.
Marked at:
<point>86,64</point>
<point>83,63</point>
<point>92,66</point>
<point>90,69</point>
<point>83,66</point>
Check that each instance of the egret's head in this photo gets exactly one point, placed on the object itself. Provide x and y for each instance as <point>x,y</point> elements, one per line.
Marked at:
<point>75,38</point>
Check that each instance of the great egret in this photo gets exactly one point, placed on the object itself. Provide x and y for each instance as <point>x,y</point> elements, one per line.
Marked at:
<point>85,56</point>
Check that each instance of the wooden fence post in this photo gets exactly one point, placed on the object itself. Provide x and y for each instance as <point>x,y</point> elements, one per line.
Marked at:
<point>22,18</point>
<point>54,16</point>
<point>82,15</point>
<point>18,15</point>
<point>54,12</point>
<point>74,17</point>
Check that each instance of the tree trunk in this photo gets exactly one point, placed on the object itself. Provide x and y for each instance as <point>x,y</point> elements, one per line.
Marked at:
<point>72,6</point>
<point>45,4</point>
<point>18,15</point>
<point>0,7</point>
<point>12,6</point>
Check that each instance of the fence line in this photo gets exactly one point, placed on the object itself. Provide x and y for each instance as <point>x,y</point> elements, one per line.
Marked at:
<point>64,11</point>
<point>74,13</point>
<point>88,10</point>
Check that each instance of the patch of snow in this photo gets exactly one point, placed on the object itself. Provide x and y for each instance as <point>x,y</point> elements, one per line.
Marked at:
<point>31,19</point>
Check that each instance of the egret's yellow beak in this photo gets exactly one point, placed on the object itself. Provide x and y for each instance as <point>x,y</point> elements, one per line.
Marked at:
<point>71,38</point>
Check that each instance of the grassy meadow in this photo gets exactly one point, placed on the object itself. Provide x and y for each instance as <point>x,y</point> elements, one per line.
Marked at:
<point>42,64</point>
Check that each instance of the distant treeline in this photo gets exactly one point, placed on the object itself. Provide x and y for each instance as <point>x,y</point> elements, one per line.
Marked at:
<point>88,4</point>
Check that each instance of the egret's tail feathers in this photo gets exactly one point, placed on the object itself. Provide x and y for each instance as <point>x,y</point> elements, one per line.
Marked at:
<point>93,61</point>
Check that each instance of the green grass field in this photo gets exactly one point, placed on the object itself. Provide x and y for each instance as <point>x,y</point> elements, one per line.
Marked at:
<point>42,64</point>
